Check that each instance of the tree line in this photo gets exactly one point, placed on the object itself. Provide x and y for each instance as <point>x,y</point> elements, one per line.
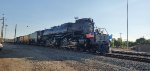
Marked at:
<point>118,43</point>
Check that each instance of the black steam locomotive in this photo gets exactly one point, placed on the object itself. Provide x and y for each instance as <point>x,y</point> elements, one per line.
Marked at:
<point>80,36</point>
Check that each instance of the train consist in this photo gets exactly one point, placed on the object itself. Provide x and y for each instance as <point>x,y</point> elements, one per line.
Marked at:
<point>80,36</point>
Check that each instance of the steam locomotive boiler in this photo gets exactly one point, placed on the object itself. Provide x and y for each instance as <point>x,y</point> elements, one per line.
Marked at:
<point>80,35</point>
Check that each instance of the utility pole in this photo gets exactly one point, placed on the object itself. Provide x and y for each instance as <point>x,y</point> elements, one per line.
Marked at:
<point>127,25</point>
<point>121,44</point>
<point>120,35</point>
<point>5,32</point>
<point>3,18</point>
<point>15,32</point>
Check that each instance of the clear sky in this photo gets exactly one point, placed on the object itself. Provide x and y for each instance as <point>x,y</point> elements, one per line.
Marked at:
<point>110,14</point>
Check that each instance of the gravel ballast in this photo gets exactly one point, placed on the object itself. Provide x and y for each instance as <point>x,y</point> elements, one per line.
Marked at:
<point>38,58</point>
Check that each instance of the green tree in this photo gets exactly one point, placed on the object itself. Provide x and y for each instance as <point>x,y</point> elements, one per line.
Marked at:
<point>141,41</point>
<point>131,44</point>
<point>120,43</point>
<point>112,42</point>
<point>148,41</point>
<point>116,43</point>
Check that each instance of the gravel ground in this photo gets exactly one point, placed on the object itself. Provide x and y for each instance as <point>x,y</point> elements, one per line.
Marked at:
<point>38,58</point>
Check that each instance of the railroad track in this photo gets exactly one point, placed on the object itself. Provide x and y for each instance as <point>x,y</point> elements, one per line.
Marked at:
<point>124,55</point>
<point>129,57</point>
<point>132,53</point>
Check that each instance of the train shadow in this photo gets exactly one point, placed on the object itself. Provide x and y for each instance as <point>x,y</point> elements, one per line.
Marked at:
<point>40,53</point>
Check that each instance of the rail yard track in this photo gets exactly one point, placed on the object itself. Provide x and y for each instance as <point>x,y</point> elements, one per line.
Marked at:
<point>134,56</point>
<point>140,57</point>
<point>132,53</point>
<point>129,57</point>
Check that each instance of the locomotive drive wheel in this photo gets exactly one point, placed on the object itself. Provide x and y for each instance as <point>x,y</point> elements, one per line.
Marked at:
<point>81,48</point>
<point>64,43</point>
<point>48,43</point>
